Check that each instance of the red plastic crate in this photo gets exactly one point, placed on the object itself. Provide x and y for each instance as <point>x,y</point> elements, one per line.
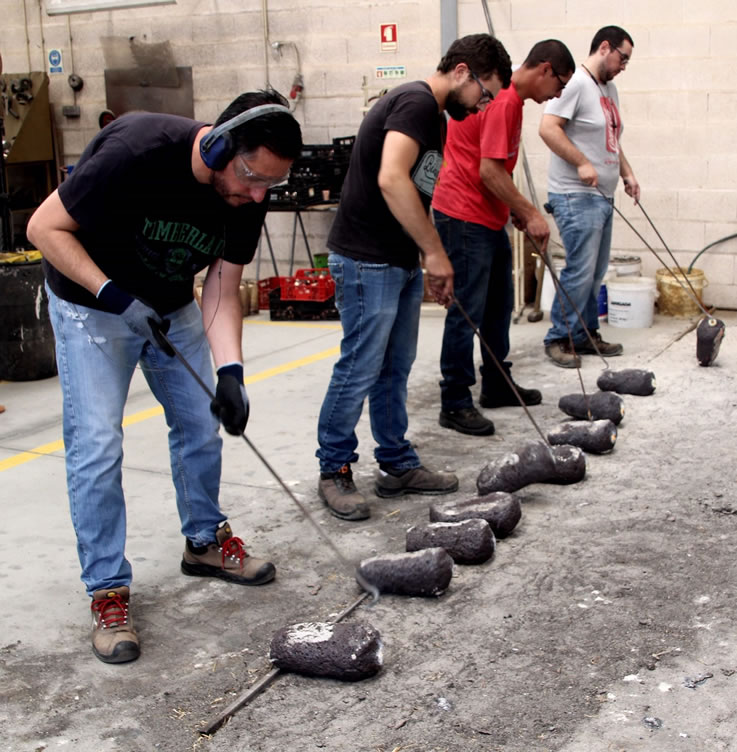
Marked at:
<point>313,284</point>
<point>265,286</point>
<point>308,295</point>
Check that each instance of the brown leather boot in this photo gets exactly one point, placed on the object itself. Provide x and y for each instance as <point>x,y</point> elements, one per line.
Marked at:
<point>341,496</point>
<point>226,559</point>
<point>114,639</point>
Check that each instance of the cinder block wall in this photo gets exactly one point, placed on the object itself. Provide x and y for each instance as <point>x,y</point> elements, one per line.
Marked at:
<point>678,95</point>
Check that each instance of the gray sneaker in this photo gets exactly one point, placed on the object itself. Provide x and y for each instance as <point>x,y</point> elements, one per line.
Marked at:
<point>339,493</point>
<point>114,639</point>
<point>226,559</point>
<point>561,353</point>
<point>419,480</point>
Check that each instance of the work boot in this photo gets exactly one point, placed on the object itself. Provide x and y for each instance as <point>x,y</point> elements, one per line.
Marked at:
<point>607,349</point>
<point>560,352</point>
<point>227,560</point>
<point>418,480</point>
<point>466,420</point>
<point>505,397</point>
<point>341,496</point>
<point>114,639</point>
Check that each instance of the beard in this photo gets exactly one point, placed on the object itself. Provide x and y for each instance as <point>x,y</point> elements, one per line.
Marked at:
<point>455,108</point>
<point>605,75</point>
<point>220,187</point>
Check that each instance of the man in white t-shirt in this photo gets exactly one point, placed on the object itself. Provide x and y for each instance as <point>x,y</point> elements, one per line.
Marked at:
<point>583,129</point>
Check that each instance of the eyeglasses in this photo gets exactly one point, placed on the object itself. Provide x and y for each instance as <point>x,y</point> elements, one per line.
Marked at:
<point>624,58</point>
<point>486,95</point>
<point>561,82</point>
<point>247,176</point>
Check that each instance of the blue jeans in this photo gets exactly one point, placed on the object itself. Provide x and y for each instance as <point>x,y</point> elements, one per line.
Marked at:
<point>584,221</point>
<point>97,354</point>
<point>482,282</point>
<point>379,309</point>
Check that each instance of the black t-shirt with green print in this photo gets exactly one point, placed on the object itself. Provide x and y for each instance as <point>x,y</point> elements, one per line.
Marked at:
<point>144,219</point>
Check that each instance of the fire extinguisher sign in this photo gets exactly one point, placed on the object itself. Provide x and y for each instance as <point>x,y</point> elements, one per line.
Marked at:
<point>389,40</point>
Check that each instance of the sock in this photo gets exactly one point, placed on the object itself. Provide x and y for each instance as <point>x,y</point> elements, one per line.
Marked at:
<point>387,470</point>
<point>195,549</point>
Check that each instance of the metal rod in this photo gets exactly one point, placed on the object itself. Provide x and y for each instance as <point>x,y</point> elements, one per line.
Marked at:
<point>367,586</point>
<point>239,702</point>
<point>654,252</point>
<point>262,683</point>
<point>502,370</point>
<point>665,245</point>
<point>559,288</point>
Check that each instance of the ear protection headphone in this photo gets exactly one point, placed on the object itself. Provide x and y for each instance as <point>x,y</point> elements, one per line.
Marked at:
<point>217,147</point>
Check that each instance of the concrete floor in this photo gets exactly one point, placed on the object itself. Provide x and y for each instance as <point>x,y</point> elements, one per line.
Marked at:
<point>45,612</point>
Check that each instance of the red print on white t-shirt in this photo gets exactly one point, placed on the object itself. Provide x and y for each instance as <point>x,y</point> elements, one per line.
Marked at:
<point>613,124</point>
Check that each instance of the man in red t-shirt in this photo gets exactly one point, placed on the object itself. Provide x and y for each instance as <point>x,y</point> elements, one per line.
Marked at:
<point>471,206</point>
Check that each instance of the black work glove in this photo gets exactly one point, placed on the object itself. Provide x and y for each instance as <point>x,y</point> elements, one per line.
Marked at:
<point>141,319</point>
<point>230,405</point>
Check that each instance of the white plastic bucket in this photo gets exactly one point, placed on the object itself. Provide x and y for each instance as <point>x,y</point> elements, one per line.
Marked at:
<point>631,302</point>
<point>548,293</point>
<point>626,266</point>
<point>603,297</point>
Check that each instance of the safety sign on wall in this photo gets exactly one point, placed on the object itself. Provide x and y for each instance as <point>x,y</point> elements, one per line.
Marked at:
<point>389,41</point>
<point>391,71</point>
<point>55,62</point>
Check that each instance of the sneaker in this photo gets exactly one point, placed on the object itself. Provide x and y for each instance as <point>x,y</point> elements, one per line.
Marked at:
<point>560,352</point>
<point>227,560</point>
<point>341,496</point>
<point>607,349</point>
<point>114,639</point>
<point>505,397</point>
<point>466,420</point>
<point>418,480</point>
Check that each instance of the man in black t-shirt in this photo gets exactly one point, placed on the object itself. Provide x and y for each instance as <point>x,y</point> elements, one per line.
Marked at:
<point>153,200</point>
<point>381,231</point>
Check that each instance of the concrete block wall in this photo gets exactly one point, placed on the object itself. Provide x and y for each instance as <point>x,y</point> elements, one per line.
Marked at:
<point>678,99</point>
<point>678,95</point>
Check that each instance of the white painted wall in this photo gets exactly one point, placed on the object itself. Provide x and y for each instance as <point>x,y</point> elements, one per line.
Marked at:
<point>678,95</point>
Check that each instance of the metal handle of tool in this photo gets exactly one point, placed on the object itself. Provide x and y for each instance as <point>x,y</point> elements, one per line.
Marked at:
<point>245,697</point>
<point>558,289</point>
<point>503,372</point>
<point>691,293</point>
<point>370,588</point>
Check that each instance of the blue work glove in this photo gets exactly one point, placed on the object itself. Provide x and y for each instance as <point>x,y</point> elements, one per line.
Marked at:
<point>140,318</point>
<point>230,405</point>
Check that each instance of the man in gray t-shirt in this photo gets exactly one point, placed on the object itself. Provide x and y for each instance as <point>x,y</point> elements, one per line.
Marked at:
<point>583,129</point>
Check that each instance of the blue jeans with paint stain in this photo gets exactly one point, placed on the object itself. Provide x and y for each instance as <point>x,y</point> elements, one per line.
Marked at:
<point>97,355</point>
<point>482,282</point>
<point>584,221</point>
<point>379,309</point>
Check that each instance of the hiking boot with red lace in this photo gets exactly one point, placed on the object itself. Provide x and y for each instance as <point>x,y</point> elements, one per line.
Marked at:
<point>341,496</point>
<point>114,640</point>
<point>226,559</point>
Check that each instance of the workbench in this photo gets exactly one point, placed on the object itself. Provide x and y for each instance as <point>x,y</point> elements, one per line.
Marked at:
<point>331,205</point>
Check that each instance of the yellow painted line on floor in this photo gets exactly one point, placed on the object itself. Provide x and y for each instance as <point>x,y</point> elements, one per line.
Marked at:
<point>58,446</point>
<point>296,324</point>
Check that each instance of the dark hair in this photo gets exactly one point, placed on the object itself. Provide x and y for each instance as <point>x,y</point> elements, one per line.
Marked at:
<point>612,34</point>
<point>482,53</point>
<point>554,52</point>
<point>279,132</point>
